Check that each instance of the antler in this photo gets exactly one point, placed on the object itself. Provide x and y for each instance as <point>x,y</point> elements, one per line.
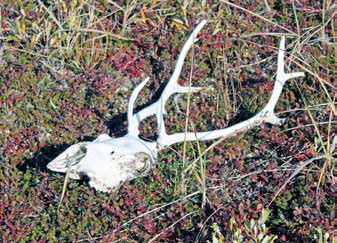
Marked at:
<point>108,161</point>
<point>158,108</point>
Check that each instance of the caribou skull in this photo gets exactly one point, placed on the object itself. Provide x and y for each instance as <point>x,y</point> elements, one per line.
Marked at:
<point>108,162</point>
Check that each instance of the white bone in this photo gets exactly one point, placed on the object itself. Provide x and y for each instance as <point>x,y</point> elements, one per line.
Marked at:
<point>108,162</point>
<point>132,124</point>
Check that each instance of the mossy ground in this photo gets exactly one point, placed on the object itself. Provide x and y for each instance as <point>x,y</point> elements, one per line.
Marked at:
<point>67,68</point>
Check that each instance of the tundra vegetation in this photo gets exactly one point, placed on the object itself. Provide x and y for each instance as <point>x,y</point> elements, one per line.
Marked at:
<point>67,69</point>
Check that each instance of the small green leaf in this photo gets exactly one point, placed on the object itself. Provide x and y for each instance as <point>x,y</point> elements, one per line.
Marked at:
<point>264,216</point>
<point>20,3</point>
<point>269,239</point>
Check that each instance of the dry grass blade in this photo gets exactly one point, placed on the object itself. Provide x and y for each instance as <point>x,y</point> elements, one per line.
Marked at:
<point>298,170</point>
<point>187,115</point>
<point>172,225</point>
<point>161,207</point>
<point>105,33</point>
<point>65,183</point>
<point>51,15</point>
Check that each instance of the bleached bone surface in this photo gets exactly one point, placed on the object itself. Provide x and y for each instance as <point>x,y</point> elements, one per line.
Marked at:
<point>108,162</point>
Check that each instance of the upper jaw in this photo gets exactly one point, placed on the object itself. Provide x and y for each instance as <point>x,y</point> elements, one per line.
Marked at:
<point>70,157</point>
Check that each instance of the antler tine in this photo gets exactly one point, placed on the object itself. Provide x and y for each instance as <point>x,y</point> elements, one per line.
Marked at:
<point>132,124</point>
<point>266,115</point>
<point>281,78</point>
<point>172,87</point>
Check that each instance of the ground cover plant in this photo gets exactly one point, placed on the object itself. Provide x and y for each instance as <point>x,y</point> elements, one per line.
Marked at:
<point>67,68</point>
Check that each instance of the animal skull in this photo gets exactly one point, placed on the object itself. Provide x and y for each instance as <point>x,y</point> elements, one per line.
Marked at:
<point>108,162</point>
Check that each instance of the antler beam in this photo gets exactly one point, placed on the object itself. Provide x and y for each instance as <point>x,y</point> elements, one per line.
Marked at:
<point>266,115</point>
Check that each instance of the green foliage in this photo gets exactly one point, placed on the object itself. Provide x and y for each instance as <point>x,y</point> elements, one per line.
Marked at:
<point>323,237</point>
<point>253,232</point>
<point>217,236</point>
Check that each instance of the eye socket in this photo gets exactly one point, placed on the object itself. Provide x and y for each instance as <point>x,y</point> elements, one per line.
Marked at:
<point>83,149</point>
<point>112,152</point>
<point>78,156</point>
